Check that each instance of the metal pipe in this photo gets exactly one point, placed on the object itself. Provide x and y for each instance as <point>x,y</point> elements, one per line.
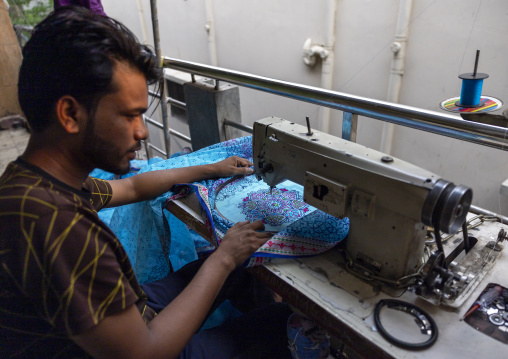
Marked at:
<point>398,67</point>
<point>142,22</point>
<point>153,122</point>
<point>179,135</point>
<point>238,125</point>
<point>328,63</point>
<point>479,210</point>
<point>145,145</point>
<point>171,131</point>
<point>176,103</point>
<point>154,94</point>
<point>169,100</point>
<point>210,30</point>
<point>164,107</point>
<point>349,126</point>
<point>162,152</point>
<point>426,120</point>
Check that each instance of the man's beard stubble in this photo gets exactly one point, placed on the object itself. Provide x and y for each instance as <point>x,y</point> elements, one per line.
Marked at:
<point>102,153</point>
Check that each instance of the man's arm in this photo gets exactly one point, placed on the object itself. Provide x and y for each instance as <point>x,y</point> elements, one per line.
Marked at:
<point>124,335</point>
<point>148,185</point>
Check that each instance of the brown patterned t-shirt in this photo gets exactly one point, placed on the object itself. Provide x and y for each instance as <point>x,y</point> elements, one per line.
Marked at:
<point>62,270</point>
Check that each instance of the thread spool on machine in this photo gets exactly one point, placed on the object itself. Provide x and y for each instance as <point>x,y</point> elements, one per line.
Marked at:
<point>471,99</point>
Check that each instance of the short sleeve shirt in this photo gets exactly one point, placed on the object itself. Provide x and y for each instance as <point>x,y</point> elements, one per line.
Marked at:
<point>62,270</point>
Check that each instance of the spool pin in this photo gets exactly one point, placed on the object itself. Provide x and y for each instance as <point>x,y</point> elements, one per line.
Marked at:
<point>472,83</point>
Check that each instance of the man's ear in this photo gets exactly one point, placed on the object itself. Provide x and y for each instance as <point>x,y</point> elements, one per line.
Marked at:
<point>70,114</point>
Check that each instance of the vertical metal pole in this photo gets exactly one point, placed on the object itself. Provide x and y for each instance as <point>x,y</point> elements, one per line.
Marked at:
<point>349,125</point>
<point>164,105</point>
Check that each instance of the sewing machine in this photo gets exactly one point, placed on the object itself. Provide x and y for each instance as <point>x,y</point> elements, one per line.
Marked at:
<point>390,204</point>
<point>389,252</point>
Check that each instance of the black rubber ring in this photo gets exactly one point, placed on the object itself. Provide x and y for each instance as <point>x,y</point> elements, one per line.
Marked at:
<point>390,303</point>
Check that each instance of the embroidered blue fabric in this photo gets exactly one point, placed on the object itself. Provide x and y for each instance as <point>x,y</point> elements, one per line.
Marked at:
<point>250,199</point>
<point>141,226</point>
<point>300,229</point>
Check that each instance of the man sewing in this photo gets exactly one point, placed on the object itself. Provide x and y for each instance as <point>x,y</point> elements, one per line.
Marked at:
<point>67,288</point>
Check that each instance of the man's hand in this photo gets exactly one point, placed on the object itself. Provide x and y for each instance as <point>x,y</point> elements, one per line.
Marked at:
<point>232,166</point>
<point>241,241</point>
<point>125,335</point>
<point>148,185</point>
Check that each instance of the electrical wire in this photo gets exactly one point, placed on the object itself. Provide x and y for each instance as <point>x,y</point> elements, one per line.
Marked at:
<point>470,33</point>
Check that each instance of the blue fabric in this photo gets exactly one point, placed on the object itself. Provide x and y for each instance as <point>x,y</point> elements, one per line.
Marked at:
<point>136,165</point>
<point>250,199</point>
<point>143,227</point>
<point>301,230</point>
<point>140,226</point>
<point>185,243</point>
<point>306,339</point>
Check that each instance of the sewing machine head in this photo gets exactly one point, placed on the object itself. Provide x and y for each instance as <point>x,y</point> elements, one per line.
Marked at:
<point>389,202</point>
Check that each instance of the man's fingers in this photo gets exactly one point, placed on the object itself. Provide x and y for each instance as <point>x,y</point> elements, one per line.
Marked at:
<point>245,170</point>
<point>239,161</point>
<point>257,225</point>
<point>244,162</point>
<point>263,237</point>
<point>265,234</point>
<point>242,223</point>
<point>242,165</point>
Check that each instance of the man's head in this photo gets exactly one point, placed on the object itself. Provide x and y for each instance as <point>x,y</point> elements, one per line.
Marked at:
<point>111,138</point>
<point>73,52</point>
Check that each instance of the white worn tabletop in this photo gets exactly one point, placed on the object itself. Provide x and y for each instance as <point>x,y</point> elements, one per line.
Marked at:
<point>314,286</point>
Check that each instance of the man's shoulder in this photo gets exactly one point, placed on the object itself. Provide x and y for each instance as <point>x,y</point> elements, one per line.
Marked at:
<point>20,186</point>
<point>16,174</point>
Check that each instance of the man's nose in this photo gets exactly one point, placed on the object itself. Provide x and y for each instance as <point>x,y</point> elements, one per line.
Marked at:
<point>141,131</point>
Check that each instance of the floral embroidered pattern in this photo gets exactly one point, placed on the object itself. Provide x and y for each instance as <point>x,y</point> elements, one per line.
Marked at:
<point>275,208</point>
<point>300,230</point>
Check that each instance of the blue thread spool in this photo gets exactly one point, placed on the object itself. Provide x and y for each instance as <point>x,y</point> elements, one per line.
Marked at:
<point>472,83</point>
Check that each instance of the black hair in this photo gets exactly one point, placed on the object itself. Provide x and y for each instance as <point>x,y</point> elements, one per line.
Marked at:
<point>73,52</point>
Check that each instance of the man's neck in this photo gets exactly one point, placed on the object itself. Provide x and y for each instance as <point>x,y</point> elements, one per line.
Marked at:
<point>58,163</point>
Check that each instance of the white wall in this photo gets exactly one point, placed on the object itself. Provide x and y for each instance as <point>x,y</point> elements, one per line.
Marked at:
<point>265,37</point>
